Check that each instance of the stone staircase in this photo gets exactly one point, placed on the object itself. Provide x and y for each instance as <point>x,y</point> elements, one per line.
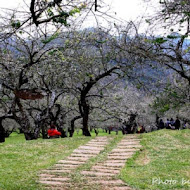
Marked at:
<point>101,176</point>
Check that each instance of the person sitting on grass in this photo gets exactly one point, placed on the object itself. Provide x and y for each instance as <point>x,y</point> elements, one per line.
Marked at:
<point>53,132</point>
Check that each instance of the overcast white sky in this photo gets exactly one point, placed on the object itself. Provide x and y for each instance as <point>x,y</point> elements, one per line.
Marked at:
<point>125,9</point>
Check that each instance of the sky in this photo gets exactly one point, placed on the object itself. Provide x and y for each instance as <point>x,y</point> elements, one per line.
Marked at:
<point>125,9</point>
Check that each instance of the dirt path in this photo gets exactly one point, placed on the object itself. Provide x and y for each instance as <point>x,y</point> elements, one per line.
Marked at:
<point>102,175</point>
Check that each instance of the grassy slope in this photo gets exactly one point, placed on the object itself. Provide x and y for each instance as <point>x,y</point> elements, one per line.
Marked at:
<point>20,160</point>
<point>165,156</point>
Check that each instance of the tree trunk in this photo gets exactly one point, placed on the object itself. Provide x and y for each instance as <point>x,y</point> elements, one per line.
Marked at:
<point>85,121</point>
<point>2,132</point>
<point>63,134</point>
<point>84,111</point>
<point>72,130</point>
<point>44,132</point>
<point>29,136</point>
<point>86,132</point>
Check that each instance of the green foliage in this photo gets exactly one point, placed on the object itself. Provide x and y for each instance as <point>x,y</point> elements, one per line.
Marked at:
<point>159,41</point>
<point>187,50</point>
<point>172,37</point>
<point>16,24</point>
<point>74,11</point>
<point>54,36</point>
<point>101,42</point>
<point>90,75</point>
<point>52,52</point>
<point>50,12</point>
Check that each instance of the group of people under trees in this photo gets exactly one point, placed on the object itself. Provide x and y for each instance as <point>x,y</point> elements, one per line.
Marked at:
<point>170,124</point>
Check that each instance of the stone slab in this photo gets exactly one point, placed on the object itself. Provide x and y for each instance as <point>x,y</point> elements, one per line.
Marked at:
<point>105,167</point>
<point>96,173</point>
<point>114,164</point>
<point>86,151</point>
<point>109,182</point>
<point>55,179</point>
<point>51,182</point>
<point>82,155</point>
<point>91,148</point>
<point>116,161</point>
<point>121,154</point>
<point>125,150</point>
<point>57,171</point>
<point>61,166</point>
<point>118,157</point>
<point>78,158</point>
<point>46,175</point>
<point>95,145</point>
<point>105,170</point>
<point>129,146</point>
<point>73,162</point>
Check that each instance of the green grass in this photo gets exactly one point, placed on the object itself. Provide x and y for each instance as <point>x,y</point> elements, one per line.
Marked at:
<point>21,161</point>
<point>165,156</point>
<point>163,163</point>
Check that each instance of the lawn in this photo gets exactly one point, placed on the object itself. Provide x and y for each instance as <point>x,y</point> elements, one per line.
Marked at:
<point>163,162</point>
<point>20,160</point>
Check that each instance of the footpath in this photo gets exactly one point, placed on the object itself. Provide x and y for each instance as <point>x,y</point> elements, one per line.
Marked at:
<point>101,176</point>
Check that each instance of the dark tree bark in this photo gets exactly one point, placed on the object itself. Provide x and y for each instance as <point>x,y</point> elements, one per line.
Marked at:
<point>72,130</point>
<point>84,107</point>
<point>130,125</point>
<point>2,131</point>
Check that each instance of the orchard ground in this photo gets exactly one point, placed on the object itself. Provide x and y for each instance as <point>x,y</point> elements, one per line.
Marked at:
<point>162,162</point>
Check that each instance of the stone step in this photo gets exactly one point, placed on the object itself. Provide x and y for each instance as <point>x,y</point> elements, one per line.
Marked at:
<point>57,188</point>
<point>108,182</point>
<point>78,158</point>
<point>125,150</point>
<point>99,142</point>
<point>116,161</point>
<point>86,151</point>
<point>95,145</point>
<point>73,162</point>
<point>118,188</point>
<point>114,164</point>
<point>51,182</point>
<point>128,143</point>
<point>57,171</point>
<point>129,146</point>
<point>91,148</point>
<point>105,167</point>
<point>105,170</point>
<point>82,155</point>
<point>89,178</point>
<point>61,166</point>
<point>99,139</point>
<point>118,157</point>
<point>120,153</point>
<point>92,173</point>
<point>55,179</point>
<point>46,175</point>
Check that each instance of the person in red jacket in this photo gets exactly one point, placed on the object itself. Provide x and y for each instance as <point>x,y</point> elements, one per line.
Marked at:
<point>52,132</point>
